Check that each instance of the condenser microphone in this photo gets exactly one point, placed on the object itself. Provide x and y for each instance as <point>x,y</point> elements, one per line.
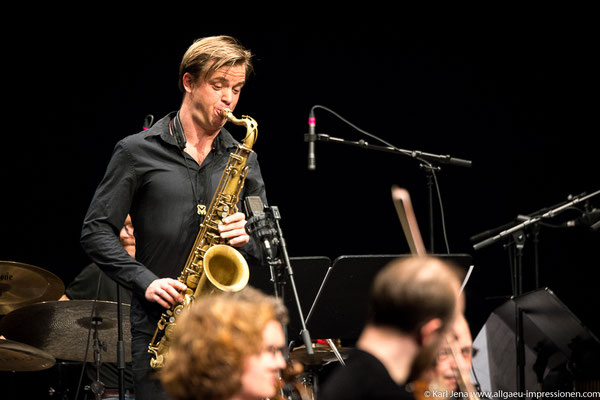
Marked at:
<point>311,138</point>
<point>260,227</point>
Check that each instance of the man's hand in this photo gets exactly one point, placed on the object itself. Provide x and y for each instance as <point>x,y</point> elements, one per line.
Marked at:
<point>165,291</point>
<point>232,228</point>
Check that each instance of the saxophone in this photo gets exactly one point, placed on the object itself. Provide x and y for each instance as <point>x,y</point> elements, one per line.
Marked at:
<point>212,266</point>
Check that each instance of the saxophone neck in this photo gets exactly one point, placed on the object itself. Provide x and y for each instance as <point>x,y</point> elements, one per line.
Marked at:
<point>228,115</point>
<point>248,122</point>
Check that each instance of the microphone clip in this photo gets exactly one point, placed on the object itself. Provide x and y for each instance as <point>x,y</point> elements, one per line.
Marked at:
<point>310,137</point>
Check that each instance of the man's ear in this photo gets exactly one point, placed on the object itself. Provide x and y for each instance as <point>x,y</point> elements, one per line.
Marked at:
<point>188,82</point>
<point>430,332</point>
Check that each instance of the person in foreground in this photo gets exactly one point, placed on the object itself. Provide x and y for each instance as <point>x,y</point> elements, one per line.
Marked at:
<point>227,346</point>
<point>412,304</point>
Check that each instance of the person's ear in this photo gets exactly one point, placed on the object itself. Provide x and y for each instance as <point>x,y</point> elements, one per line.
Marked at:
<point>430,332</point>
<point>188,82</point>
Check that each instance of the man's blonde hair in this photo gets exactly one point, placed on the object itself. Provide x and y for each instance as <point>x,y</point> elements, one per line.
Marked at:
<point>206,55</point>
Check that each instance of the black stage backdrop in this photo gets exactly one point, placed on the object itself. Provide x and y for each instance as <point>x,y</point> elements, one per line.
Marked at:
<point>516,98</point>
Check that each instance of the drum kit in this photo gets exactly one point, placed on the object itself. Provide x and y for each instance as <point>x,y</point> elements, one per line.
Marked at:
<point>36,329</point>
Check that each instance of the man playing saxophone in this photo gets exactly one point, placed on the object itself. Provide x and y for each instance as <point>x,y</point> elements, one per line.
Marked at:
<point>165,178</point>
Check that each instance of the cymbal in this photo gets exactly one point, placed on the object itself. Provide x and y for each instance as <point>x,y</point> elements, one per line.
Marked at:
<point>321,354</point>
<point>23,284</point>
<point>66,328</point>
<point>15,356</point>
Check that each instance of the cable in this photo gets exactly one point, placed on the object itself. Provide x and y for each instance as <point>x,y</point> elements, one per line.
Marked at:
<point>358,129</point>
<point>437,187</point>
<point>427,163</point>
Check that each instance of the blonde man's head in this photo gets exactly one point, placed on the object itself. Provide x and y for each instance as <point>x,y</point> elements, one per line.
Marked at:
<point>206,55</point>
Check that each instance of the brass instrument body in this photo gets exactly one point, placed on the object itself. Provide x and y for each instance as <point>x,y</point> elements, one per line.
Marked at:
<point>212,265</point>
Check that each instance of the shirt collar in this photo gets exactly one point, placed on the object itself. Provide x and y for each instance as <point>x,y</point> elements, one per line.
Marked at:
<point>223,142</point>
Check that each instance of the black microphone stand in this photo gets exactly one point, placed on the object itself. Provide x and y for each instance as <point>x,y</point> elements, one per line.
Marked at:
<point>97,387</point>
<point>429,171</point>
<point>416,154</point>
<point>120,346</point>
<point>426,158</point>
<point>429,163</point>
<point>516,232</point>
<point>536,218</point>
<point>274,244</point>
<point>274,211</point>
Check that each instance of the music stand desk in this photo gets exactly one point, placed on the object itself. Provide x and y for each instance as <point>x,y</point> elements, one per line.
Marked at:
<point>340,308</point>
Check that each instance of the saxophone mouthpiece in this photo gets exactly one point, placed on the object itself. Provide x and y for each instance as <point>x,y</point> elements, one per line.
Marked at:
<point>226,113</point>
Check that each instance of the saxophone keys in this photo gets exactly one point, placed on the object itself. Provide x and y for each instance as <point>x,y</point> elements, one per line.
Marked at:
<point>192,281</point>
<point>225,211</point>
<point>177,312</point>
<point>158,362</point>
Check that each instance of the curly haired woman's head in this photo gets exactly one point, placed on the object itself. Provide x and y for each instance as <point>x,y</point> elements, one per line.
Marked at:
<point>216,339</point>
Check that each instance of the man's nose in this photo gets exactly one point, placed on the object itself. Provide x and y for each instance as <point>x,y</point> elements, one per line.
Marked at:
<point>453,363</point>
<point>227,96</point>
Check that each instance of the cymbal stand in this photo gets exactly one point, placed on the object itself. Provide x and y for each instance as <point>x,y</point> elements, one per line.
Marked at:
<point>120,346</point>
<point>97,387</point>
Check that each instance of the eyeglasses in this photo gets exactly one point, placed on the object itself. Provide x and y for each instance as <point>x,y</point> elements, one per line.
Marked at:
<point>273,350</point>
<point>466,352</point>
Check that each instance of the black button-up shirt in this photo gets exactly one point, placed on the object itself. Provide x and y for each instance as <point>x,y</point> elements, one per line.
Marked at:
<point>159,185</point>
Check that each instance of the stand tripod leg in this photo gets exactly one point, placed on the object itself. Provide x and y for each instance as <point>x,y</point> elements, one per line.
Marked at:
<point>290,273</point>
<point>520,344</point>
<point>519,243</point>
<point>336,352</point>
<point>97,386</point>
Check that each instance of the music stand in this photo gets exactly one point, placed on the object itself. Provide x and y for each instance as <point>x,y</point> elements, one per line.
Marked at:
<point>309,273</point>
<point>340,308</point>
<point>551,334</point>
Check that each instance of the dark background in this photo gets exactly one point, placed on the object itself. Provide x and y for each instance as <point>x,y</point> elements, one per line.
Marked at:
<point>517,97</point>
